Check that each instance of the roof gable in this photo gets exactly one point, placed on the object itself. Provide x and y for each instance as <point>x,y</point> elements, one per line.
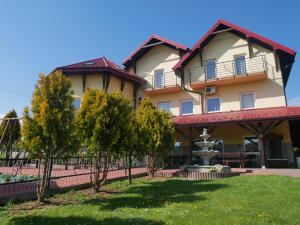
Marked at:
<point>152,41</point>
<point>223,25</point>
<point>99,65</point>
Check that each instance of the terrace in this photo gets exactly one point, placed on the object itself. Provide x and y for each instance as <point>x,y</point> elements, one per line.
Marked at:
<point>239,70</point>
<point>162,82</point>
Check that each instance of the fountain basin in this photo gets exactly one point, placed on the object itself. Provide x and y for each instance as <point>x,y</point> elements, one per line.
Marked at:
<point>206,169</point>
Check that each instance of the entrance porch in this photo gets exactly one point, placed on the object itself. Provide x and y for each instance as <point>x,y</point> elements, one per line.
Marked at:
<point>256,138</point>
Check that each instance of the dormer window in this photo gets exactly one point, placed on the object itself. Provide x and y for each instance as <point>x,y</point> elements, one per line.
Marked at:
<point>89,63</point>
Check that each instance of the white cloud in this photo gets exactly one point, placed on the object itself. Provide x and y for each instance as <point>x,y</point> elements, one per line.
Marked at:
<point>294,101</point>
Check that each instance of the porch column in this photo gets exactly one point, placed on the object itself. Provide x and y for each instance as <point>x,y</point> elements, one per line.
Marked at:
<point>262,150</point>
<point>189,153</point>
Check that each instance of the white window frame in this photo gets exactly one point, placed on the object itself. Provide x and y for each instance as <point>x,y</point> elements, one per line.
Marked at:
<point>205,67</point>
<point>186,100</point>
<point>162,103</point>
<point>75,99</point>
<point>207,104</point>
<point>163,78</point>
<point>234,59</point>
<point>244,93</point>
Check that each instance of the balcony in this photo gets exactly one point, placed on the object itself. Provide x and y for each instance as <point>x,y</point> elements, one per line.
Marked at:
<point>240,70</point>
<point>162,83</point>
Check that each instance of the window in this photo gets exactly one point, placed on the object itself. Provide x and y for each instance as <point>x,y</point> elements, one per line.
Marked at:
<point>76,103</point>
<point>210,69</point>
<point>187,107</point>
<point>165,106</point>
<point>247,101</point>
<point>177,148</point>
<point>213,104</point>
<point>159,80</point>
<point>240,65</point>
<point>251,144</point>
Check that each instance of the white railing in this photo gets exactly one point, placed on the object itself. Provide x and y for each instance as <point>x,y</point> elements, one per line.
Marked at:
<point>163,80</point>
<point>229,69</point>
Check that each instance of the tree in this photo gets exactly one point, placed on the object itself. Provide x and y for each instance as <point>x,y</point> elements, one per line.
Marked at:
<point>104,122</point>
<point>10,131</point>
<point>158,137</point>
<point>48,130</point>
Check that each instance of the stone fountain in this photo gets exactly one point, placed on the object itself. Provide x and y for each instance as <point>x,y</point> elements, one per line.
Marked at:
<point>206,153</point>
<point>206,146</point>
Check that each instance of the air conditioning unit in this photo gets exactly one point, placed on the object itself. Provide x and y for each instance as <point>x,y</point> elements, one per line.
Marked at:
<point>140,98</point>
<point>210,90</point>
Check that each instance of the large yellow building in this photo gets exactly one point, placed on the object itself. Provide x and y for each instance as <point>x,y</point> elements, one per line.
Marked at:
<point>232,82</point>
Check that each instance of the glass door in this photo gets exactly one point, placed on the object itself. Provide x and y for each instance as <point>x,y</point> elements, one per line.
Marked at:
<point>240,65</point>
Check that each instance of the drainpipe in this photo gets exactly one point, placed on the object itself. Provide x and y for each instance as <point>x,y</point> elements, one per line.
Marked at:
<point>182,86</point>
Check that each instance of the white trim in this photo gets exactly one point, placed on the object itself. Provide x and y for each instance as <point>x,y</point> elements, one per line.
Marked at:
<point>162,103</point>
<point>180,108</point>
<point>244,93</point>
<point>212,98</point>
<point>204,66</point>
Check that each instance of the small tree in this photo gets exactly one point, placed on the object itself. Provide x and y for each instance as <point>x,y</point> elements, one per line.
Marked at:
<point>158,137</point>
<point>48,130</point>
<point>104,124</point>
<point>10,131</point>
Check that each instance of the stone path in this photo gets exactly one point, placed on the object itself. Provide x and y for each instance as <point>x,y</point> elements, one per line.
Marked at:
<point>18,189</point>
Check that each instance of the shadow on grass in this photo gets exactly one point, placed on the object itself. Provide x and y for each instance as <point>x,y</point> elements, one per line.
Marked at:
<point>157,194</point>
<point>74,220</point>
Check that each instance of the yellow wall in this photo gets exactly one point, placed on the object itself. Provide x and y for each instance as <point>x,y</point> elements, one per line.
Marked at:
<point>223,48</point>
<point>159,57</point>
<point>96,81</point>
<point>175,100</point>
<point>233,134</point>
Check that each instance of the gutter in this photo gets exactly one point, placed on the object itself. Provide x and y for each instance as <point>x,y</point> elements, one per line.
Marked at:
<point>182,86</point>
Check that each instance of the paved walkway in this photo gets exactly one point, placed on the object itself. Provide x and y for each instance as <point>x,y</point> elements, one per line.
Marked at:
<point>18,189</point>
<point>283,172</point>
<point>246,172</point>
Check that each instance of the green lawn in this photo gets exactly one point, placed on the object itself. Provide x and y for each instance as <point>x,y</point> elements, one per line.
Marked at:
<point>237,200</point>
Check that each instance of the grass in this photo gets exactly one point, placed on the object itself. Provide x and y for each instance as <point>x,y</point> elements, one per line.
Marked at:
<point>237,200</point>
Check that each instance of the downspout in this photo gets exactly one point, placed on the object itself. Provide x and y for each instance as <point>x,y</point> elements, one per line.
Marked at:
<point>182,86</point>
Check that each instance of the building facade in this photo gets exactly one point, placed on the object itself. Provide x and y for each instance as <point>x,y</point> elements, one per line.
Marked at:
<point>232,82</point>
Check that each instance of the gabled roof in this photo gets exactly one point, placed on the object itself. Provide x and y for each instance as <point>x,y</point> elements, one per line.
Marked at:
<point>275,113</point>
<point>151,41</point>
<point>286,54</point>
<point>99,65</point>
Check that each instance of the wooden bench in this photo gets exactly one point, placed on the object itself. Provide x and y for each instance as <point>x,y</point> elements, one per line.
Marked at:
<point>232,157</point>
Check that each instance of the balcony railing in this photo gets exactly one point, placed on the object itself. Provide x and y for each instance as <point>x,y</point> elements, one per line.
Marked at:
<point>240,67</point>
<point>162,80</point>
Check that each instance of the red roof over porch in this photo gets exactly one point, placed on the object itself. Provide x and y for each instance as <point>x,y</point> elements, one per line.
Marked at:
<point>276,113</point>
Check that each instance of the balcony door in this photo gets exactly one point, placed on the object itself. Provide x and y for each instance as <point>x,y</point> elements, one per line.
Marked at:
<point>210,69</point>
<point>240,65</point>
<point>159,78</point>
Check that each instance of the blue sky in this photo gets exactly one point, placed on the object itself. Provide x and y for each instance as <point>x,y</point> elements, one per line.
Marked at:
<point>37,36</point>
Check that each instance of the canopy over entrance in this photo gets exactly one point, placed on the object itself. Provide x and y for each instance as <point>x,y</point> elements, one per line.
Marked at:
<point>260,124</point>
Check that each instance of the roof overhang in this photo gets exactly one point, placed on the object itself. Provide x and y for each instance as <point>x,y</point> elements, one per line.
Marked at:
<point>106,70</point>
<point>285,54</point>
<point>152,41</point>
<point>254,115</point>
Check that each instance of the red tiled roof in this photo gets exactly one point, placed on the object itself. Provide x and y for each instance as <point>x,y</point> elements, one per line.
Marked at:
<point>289,112</point>
<point>247,33</point>
<point>99,65</point>
<point>152,38</point>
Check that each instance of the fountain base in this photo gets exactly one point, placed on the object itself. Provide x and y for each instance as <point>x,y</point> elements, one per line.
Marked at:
<point>206,169</point>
